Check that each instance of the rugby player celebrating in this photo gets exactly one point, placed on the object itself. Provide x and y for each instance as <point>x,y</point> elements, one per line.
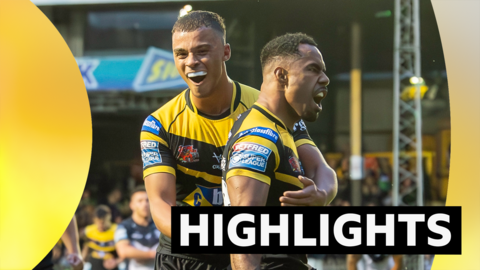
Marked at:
<point>261,156</point>
<point>183,141</point>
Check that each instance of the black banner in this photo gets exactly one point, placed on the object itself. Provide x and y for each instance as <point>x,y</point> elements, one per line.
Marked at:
<point>317,230</point>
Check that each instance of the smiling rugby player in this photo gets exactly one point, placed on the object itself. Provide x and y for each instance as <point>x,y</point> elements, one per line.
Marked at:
<point>183,141</point>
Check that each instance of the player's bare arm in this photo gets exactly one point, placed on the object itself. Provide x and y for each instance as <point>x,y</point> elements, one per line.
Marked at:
<point>127,251</point>
<point>85,252</point>
<point>324,188</point>
<point>161,190</point>
<point>352,260</point>
<point>246,191</point>
<point>70,239</point>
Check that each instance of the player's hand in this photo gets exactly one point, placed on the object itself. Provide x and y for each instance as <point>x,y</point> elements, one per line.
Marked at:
<point>75,260</point>
<point>152,254</point>
<point>310,195</point>
<point>110,263</point>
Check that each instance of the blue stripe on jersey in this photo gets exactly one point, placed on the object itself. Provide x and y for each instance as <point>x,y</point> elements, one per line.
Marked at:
<point>152,125</point>
<point>266,133</point>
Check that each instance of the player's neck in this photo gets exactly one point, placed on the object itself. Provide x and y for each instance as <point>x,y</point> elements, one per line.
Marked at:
<point>139,220</point>
<point>219,101</point>
<point>275,102</point>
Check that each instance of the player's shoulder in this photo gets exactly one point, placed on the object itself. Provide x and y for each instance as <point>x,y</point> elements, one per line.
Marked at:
<point>126,223</point>
<point>113,227</point>
<point>249,95</point>
<point>90,229</point>
<point>167,113</point>
<point>254,123</point>
<point>257,136</point>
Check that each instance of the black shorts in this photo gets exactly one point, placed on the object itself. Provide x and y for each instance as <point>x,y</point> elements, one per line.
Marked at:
<point>169,262</point>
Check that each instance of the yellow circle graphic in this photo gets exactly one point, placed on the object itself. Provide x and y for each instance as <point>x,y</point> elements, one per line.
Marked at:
<point>45,138</point>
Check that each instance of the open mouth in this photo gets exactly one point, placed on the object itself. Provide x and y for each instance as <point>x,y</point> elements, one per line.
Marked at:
<point>197,77</point>
<point>320,96</point>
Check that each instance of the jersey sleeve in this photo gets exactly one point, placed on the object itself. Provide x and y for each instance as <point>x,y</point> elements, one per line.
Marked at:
<point>300,134</point>
<point>254,157</point>
<point>120,233</point>
<point>156,154</point>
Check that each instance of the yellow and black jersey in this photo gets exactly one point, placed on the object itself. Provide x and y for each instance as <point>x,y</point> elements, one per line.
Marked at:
<point>262,147</point>
<point>180,140</point>
<point>101,243</point>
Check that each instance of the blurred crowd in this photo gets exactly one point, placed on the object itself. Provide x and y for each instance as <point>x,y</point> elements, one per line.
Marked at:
<point>108,214</point>
<point>376,186</point>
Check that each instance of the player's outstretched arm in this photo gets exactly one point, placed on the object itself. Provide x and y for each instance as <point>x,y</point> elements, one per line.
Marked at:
<point>161,190</point>
<point>127,251</point>
<point>352,260</point>
<point>246,191</point>
<point>70,239</point>
<point>85,251</point>
<point>324,177</point>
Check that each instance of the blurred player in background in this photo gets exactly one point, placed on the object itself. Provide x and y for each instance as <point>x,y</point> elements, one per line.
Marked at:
<point>70,240</point>
<point>374,262</point>
<point>262,162</point>
<point>100,245</point>
<point>182,142</point>
<point>136,238</point>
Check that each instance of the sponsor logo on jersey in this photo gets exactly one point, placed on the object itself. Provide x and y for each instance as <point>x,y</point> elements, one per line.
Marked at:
<point>295,164</point>
<point>223,163</point>
<point>204,196</point>
<point>262,132</point>
<point>150,153</point>
<point>299,125</point>
<point>218,158</point>
<point>187,154</point>
<point>152,125</point>
<point>250,155</point>
<point>137,235</point>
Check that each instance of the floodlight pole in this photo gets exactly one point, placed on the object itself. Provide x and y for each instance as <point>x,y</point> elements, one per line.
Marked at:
<point>356,165</point>
<point>407,127</point>
<point>407,114</point>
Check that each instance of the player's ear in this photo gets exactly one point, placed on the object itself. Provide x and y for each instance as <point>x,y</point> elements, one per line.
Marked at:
<point>227,52</point>
<point>281,75</point>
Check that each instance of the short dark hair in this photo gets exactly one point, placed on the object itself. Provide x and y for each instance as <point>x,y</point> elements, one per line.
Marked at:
<point>284,46</point>
<point>102,211</point>
<point>137,189</point>
<point>200,18</point>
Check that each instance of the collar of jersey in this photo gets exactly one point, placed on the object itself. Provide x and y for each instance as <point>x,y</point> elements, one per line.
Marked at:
<point>270,116</point>
<point>236,97</point>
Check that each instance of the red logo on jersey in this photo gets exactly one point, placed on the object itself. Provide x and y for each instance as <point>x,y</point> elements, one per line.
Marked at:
<point>296,167</point>
<point>187,154</point>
